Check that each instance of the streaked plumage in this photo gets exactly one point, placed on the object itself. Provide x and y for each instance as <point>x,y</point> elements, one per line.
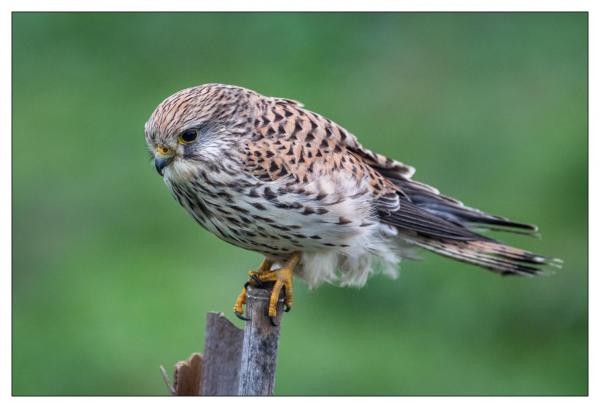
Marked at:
<point>270,176</point>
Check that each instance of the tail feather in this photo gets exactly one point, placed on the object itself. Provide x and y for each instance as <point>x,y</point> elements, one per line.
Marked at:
<point>446,226</point>
<point>491,255</point>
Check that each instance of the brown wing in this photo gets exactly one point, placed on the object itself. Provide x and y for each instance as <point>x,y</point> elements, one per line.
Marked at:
<point>293,141</point>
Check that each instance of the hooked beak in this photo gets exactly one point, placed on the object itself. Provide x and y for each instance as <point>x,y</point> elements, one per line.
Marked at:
<point>162,158</point>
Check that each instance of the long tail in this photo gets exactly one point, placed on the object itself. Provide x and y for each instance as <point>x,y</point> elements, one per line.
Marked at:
<point>445,226</point>
<point>491,255</point>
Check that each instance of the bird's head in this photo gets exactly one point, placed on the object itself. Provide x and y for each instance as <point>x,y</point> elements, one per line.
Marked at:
<point>195,125</point>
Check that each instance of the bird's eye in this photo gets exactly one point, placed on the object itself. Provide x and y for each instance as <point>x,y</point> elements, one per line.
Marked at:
<point>188,136</point>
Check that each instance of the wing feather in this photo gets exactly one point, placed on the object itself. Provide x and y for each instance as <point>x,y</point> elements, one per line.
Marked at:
<point>291,141</point>
<point>308,145</point>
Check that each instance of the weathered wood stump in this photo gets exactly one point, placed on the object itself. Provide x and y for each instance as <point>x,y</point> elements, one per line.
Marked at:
<point>261,341</point>
<point>235,361</point>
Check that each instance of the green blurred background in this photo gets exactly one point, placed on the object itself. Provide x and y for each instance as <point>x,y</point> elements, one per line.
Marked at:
<point>112,279</point>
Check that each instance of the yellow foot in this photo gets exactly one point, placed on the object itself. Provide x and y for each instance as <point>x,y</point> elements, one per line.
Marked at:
<point>238,307</point>
<point>282,279</point>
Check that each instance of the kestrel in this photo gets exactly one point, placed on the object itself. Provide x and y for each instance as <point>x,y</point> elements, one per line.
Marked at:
<point>268,175</point>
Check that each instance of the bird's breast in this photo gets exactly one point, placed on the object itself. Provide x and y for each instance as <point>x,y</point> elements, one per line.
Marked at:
<point>272,218</point>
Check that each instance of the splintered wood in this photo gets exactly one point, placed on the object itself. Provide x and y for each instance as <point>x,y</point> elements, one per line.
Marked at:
<point>235,361</point>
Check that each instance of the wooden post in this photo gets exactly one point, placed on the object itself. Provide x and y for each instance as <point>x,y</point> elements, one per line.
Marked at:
<point>261,340</point>
<point>222,355</point>
<point>235,361</point>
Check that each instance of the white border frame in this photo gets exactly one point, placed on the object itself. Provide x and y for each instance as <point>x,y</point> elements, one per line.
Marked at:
<point>8,6</point>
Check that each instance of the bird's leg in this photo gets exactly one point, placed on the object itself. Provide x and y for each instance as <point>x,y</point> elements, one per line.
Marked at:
<point>263,274</point>
<point>283,279</point>
<point>255,280</point>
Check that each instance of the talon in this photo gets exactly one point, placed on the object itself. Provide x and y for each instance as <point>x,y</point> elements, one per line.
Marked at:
<point>281,280</point>
<point>259,283</point>
<point>238,307</point>
<point>274,298</point>
<point>241,316</point>
<point>287,303</point>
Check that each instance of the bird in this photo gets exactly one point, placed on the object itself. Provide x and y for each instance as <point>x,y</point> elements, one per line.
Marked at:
<point>268,175</point>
